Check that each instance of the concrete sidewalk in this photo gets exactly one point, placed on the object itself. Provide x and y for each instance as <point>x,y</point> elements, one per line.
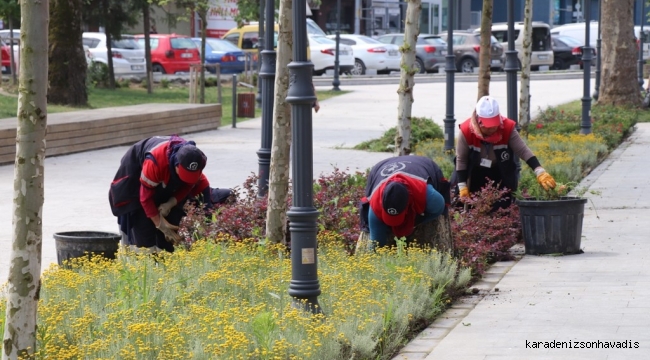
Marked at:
<point>532,308</point>
<point>76,186</point>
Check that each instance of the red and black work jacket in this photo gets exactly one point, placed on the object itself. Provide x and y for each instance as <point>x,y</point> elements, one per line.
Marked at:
<point>417,172</point>
<point>505,161</point>
<point>147,177</point>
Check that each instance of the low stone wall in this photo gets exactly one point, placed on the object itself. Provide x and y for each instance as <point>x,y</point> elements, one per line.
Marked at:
<point>84,130</point>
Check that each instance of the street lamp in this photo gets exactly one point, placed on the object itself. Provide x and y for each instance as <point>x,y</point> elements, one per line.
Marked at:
<point>336,82</point>
<point>640,63</point>
<point>267,77</point>
<point>598,58</point>
<point>585,127</point>
<point>450,69</point>
<point>304,286</point>
<point>512,66</point>
<point>260,47</point>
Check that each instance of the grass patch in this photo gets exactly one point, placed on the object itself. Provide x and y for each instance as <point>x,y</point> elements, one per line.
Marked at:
<point>422,130</point>
<point>137,94</point>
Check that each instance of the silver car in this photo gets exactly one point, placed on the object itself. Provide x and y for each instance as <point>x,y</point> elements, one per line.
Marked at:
<point>430,50</point>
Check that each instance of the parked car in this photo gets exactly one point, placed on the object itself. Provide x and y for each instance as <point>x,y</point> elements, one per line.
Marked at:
<point>467,47</point>
<point>128,57</point>
<point>171,53</point>
<point>430,50</point>
<point>567,51</point>
<point>6,57</point>
<point>542,52</point>
<point>323,52</point>
<point>370,53</point>
<point>14,41</point>
<point>577,31</point>
<point>230,58</point>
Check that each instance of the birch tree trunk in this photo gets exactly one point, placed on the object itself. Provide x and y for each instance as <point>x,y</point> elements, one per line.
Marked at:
<point>407,82</point>
<point>619,82</point>
<point>485,60</point>
<point>23,288</point>
<point>524,92</point>
<point>276,214</point>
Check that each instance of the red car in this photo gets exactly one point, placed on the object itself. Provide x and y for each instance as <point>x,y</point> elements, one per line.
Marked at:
<point>171,53</point>
<point>6,58</point>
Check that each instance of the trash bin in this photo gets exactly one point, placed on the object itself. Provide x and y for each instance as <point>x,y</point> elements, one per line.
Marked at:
<point>246,105</point>
<point>74,244</point>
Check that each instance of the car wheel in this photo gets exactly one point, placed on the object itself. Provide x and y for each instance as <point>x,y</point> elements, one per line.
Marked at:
<point>359,68</point>
<point>158,68</point>
<point>467,65</point>
<point>419,66</point>
<point>558,64</point>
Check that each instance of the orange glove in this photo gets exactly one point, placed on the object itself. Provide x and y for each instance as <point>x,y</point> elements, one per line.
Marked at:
<point>463,191</point>
<point>545,179</point>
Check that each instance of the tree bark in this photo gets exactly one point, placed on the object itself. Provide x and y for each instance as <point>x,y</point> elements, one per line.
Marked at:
<point>407,82</point>
<point>23,288</point>
<point>276,215</point>
<point>524,92</point>
<point>109,45</point>
<point>67,73</point>
<point>146,21</point>
<point>619,83</point>
<point>485,59</point>
<point>203,14</point>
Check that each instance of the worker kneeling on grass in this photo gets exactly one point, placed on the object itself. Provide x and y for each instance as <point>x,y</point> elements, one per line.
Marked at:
<point>156,177</point>
<point>402,192</point>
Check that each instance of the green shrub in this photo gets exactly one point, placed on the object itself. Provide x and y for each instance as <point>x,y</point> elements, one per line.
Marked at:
<point>164,83</point>
<point>422,129</point>
<point>610,123</point>
<point>97,75</point>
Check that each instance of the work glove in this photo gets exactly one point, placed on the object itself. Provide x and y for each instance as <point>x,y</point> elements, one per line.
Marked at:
<point>545,179</point>
<point>463,191</point>
<point>166,207</point>
<point>169,230</point>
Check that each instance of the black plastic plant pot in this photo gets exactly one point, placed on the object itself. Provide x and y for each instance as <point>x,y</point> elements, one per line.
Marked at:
<point>552,226</point>
<point>74,244</point>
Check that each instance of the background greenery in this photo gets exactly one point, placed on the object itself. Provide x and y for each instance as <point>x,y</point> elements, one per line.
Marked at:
<point>136,93</point>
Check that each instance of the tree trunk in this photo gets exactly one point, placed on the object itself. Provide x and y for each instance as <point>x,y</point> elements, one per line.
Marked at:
<point>524,92</point>
<point>23,288</point>
<point>203,14</point>
<point>67,73</point>
<point>407,82</point>
<point>147,46</point>
<point>11,52</point>
<point>276,215</point>
<point>485,59</point>
<point>109,46</point>
<point>619,83</point>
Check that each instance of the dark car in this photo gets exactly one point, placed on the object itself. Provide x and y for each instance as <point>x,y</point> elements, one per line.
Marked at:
<point>567,51</point>
<point>467,47</point>
<point>430,50</point>
<point>230,58</point>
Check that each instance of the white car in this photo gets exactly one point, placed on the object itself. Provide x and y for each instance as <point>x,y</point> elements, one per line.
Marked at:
<point>323,51</point>
<point>128,56</point>
<point>371,54</point>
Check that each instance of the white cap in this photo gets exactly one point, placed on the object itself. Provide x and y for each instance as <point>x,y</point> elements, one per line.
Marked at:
<point>487,110</point>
